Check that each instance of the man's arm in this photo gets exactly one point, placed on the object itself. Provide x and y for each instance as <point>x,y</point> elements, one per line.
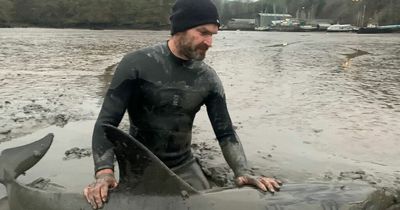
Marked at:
<point>236,159</point>
<point>112,112</point>
<point>230,144</point>
<point>234,155</point>
<point>117,98</point>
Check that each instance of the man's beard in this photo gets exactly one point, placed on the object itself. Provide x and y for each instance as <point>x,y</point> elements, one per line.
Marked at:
<point>195,52</point>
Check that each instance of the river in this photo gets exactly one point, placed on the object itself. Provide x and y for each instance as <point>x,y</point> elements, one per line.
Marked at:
<point>306,105</point>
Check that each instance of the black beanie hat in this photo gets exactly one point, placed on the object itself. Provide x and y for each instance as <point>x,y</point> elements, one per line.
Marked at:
<point>188,14</point>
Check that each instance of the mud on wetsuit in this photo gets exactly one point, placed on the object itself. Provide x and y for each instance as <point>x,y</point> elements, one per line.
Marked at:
<point>162,94</point>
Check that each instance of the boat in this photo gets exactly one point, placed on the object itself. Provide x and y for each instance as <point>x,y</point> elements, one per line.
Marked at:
<point>342,28</point>
<point>374,29</point>
<point>307,28</point>
<point>262,28</point>
<point>395,28</point>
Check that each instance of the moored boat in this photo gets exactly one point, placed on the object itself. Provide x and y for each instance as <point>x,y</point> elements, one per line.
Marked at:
<point>373,29</point>
<point>342,28</point>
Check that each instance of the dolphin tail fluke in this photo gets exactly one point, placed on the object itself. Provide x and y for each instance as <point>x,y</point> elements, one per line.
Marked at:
<point>15,161</point>
<point>141,170</point>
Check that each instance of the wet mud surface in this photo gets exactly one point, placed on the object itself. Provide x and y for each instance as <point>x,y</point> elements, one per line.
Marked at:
<point>77,153</point>
<point>307,106</point>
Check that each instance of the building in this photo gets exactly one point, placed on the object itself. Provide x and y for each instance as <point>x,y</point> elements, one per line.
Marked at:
<point>240,24</point>
<point>322,24</point>
<point>267,19</point>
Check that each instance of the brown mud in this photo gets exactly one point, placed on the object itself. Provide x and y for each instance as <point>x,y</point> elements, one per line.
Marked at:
<point>301,114</point>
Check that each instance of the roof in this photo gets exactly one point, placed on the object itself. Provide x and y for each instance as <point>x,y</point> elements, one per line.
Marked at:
<point>243,20</point>
<point>274,15</point>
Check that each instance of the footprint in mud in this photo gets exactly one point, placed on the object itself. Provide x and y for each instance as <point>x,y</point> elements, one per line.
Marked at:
<point>77,153</point>
<point>45,184</point>
<point>359,175</point>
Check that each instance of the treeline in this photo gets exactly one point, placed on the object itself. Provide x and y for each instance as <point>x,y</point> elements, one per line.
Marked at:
<point>155,13</point>
<point>86,13</point>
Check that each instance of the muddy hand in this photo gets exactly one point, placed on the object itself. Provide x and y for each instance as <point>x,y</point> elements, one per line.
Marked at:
<point>97,192</point>
<point>261,182</point>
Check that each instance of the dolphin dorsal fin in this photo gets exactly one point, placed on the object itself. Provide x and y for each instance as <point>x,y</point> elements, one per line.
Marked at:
<point>141,172</point>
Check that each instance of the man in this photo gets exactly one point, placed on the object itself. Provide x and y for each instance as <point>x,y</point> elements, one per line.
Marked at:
<point>162,88</point>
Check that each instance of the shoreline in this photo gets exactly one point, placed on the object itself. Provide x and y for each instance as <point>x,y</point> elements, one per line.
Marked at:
<point>91,27</point>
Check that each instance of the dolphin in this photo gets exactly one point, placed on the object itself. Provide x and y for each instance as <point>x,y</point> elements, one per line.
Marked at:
<point>145,183</point>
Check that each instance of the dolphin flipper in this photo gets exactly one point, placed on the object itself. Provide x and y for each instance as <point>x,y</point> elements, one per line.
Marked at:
<point>141,170</point>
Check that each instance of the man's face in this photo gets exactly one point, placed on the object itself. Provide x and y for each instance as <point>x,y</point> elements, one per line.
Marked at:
<point>194,43</point>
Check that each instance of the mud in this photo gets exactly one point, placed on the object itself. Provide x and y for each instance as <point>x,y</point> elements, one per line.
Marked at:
<point>34,115</point>
<point>45,184</point>
<point>300,113</point>
<point>219,175</point>
<point>388,199</point>
<point>52,76</point>
<point>77,153</point>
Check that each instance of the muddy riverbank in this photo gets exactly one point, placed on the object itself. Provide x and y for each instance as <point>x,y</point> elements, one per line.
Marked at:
<point>308,107</point>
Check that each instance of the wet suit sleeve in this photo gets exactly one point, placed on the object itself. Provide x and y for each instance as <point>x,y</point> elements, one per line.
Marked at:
<point>228,140</point>
<point>114,106</point>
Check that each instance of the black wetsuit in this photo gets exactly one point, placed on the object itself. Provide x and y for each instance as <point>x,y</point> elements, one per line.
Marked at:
<point>162,94</point>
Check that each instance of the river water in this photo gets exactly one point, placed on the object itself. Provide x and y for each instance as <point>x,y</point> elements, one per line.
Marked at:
<point>304,104</point>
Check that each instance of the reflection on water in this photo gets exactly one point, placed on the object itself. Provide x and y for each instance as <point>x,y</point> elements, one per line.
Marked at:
<point>356,53</point>
<point>350,56</point>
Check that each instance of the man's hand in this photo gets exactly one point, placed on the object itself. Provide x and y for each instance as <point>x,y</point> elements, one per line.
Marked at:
<point>261,182</point>
<point>97,192</point>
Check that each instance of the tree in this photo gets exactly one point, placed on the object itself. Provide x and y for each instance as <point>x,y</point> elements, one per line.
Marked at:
<point>6,12</point>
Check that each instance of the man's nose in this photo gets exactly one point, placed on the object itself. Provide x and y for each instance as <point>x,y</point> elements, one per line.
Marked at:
<point>208,41</point>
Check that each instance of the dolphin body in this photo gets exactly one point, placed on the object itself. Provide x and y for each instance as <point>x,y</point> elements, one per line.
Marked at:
<point>147,184</point>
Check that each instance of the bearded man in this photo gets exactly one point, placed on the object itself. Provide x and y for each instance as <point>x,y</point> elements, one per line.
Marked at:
<point>162,88</point>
